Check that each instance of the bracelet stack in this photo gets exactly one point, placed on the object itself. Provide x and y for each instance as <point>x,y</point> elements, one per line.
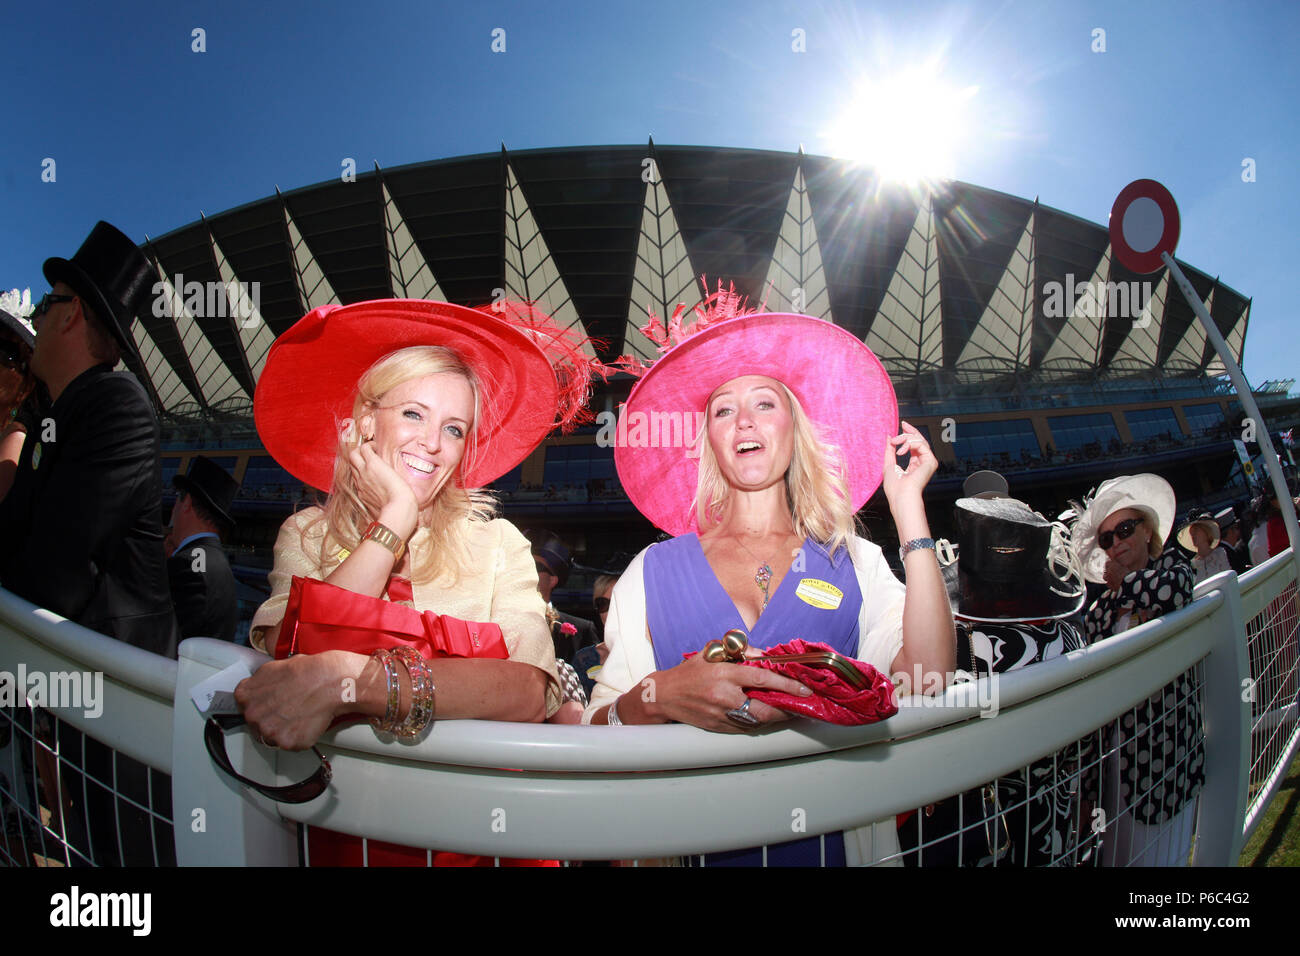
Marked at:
<point>389,664</point>
<point>422,692</point>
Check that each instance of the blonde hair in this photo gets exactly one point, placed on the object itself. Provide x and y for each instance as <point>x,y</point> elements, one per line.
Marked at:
<point>816,484</point>
<point>1156,546</point>
<point>346,515</point>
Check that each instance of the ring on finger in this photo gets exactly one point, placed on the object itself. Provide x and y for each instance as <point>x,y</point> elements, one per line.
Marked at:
<point>741,716</point>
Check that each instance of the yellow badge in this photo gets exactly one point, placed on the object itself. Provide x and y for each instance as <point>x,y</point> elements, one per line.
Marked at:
<point>36,456</point>
<point>820,594</point>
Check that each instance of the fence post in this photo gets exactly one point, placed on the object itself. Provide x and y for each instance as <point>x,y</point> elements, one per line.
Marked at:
<point>1226,717</point>
<point>217,822</point>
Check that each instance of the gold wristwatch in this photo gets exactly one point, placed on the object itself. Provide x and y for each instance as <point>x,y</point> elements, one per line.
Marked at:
<point>382,534</point>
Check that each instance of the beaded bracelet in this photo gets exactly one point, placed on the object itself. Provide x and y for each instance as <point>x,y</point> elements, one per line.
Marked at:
<point>422,691</point>
<point>389,664</point>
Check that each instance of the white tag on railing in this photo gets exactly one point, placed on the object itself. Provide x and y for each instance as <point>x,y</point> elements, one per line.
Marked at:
<point>216,695</point>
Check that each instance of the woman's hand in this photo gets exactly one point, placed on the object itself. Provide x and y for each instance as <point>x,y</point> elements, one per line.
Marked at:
<point>390,499</point>
<point>290,703</point>
<point>1114,574</point>
<point>902,483</point>
<point>903,486</point>
<point>699,693</point>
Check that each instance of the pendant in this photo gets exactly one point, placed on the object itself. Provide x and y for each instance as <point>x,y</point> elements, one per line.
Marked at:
<point>763,578</point>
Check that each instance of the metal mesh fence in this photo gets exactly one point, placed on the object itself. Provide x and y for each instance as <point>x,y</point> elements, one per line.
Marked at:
<point>66,799</point>
<point>1125,795</point>
<point>1271,641</point>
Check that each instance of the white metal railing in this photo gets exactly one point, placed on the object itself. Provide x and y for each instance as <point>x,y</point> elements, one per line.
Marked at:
<point>522,790</point>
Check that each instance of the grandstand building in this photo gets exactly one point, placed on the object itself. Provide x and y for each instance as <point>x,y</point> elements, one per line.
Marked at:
<point>1014,339</point>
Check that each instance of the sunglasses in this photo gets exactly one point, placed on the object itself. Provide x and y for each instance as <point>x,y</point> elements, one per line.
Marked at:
<point>602,604</point>
<point>1124,530</point>
<point>48,301</point>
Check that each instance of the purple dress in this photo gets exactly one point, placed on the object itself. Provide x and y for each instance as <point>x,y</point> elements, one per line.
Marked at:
<point>686,607</point>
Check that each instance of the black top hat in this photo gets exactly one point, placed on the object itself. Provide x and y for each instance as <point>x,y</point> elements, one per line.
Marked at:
<point>208,482</point>
<point>1004,569</point>
<point>548,546</point>
<point>111,273</point>
<point>20,331</point>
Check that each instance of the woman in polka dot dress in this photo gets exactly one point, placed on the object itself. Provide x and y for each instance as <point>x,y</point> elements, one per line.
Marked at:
<point>1150,781</point>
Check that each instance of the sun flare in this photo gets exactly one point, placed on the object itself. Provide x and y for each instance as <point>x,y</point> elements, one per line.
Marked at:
<point>909,126</point>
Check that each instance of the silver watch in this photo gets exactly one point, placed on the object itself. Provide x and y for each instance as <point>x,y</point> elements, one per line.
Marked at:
<point>916,544</point>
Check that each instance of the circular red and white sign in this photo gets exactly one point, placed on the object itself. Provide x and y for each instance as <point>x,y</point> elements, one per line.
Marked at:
<point>1143,224</point>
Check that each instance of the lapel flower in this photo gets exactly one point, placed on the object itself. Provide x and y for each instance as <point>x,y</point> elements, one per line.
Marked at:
<point>567,628</point>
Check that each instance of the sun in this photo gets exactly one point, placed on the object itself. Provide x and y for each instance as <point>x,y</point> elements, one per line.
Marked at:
<point>909,126</point>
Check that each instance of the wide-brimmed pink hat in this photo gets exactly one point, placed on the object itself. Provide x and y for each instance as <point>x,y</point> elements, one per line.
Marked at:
<point>840,383</point>
<point>533,378</point>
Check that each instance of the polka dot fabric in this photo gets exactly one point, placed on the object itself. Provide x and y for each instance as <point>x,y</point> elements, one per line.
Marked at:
<point>1162,751</point>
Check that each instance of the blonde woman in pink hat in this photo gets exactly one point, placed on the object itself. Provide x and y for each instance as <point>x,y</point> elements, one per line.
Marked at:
<point>799,428</point>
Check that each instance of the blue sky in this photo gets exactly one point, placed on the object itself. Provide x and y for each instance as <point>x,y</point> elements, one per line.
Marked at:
<point>146,133</point>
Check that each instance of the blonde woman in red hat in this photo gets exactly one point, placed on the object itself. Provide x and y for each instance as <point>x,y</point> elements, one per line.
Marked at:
<point>401,410</point>
<point>799,427</point>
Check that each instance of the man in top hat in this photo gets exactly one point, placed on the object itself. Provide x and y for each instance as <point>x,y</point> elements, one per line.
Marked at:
<point>82,526</point>
<point>569,634</point>
<point>1231,539</point>
<point>202,584</point>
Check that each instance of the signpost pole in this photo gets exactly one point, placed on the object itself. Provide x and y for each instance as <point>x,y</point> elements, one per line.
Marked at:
<point>1243,395</point>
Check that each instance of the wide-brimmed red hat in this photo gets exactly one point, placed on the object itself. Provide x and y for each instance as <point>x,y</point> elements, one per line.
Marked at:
<point>532,374</point>
<point>840,383</point>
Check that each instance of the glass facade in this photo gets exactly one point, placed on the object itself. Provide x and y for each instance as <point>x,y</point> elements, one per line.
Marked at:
<point>1071,432</point>
<point>998,442</point>
<point>510,480</point>
<point>1201,418</point>
<point>1147,423</point>
<point>263,478</point>
<point>578,464</point>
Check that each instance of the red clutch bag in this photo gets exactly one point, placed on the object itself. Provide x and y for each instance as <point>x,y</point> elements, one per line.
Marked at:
<point>322,617</point>
<point>844,691</point>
